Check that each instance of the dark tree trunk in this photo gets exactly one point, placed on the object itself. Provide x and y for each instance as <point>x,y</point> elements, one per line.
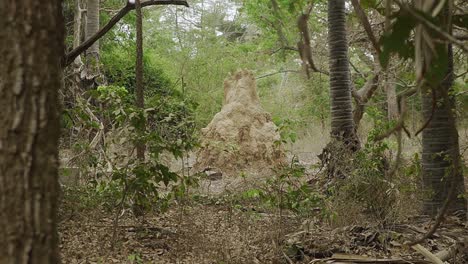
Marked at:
<point>441,163</point>
<point>342,124</point>
<point>140,100</point>
<point>31,45</point>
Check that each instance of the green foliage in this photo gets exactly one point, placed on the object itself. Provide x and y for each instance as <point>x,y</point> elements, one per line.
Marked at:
<point>287,134</point>
<point>135,258</point>
<point>398,40</point>
<point>288,189</point>
<point>135,182</point>
<point>368,186</point>
<point>119,69</point>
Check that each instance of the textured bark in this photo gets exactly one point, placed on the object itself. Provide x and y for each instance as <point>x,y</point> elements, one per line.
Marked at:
<point>31,45</point>
<point>389,86</point>
<point>390,92</point>
<point>140,100</point>
<point>91,74</point>
<point>77,29</point>
<point>342,124</point>
<point>92,26</point>
<point>441,163</point>
<point>363,96</point>
<point>361,14</point>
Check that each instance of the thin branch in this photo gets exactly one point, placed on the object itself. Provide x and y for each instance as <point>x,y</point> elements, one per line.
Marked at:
<point>274,73</point>
<point>440,217</point>
<point>460,75</point>
<point>365,23</point>
<point>70,56</point>
<point>362,96</point>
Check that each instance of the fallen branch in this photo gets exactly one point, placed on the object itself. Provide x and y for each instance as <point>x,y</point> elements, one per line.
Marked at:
<point>427,254</point>
<point>70,56</point>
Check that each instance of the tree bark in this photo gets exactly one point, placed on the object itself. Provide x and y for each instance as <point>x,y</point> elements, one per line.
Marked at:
<point>342,124</point>
<point>389,86</point>
<point>441,162</point>
<point>92,27</point>
<point>77,30</point>
<point>140,100</point>
<point>31,46</point>
<point>91,72</point>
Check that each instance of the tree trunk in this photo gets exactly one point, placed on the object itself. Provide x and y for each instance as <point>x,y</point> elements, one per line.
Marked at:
<point>140,101</point>
<point>92,26</point>
<point>342,124</point>
<point>91,74</point>
<point>441,163</point>
<point>389,86</point>
<point>31,47</point>
<point>77,30</point>
<point>390,92</point>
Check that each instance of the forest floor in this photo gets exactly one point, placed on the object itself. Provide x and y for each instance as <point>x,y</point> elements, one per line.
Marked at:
<point>222,233</point>
<point>224,229</point>
<point>216,225</point>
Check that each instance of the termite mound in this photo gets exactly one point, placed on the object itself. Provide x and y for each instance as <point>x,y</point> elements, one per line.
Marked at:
<point>242,136</point>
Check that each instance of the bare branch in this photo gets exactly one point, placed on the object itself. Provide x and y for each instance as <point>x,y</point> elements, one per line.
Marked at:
<point>278,72</point>
<point>365,23</point>
<point>70,56</point>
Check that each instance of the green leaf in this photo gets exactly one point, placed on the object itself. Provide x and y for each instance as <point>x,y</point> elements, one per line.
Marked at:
<point>366,4</point>
<point>398,39</point>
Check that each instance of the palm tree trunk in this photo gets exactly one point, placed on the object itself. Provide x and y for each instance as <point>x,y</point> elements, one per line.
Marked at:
<point>342,124</point>
<point>32,43</point>
<point>441,163</point>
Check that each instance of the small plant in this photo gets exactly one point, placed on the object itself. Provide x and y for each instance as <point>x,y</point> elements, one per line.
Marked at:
<point>285,129</point>
<point>289,189</point>
<point>135,258</point>
<point>367,188</point>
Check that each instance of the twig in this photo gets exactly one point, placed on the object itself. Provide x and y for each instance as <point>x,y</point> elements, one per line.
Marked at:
<point>274,73</point>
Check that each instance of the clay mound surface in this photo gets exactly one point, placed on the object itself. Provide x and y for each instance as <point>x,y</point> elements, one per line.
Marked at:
<point>242,136</point>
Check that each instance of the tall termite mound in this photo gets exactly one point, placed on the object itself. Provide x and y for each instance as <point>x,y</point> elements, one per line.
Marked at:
<point>242,135</point>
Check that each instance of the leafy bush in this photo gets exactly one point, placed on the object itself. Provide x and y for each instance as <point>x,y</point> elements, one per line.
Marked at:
<point>162,129</point>
<point>288,190</point>
<point>119,70</point>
